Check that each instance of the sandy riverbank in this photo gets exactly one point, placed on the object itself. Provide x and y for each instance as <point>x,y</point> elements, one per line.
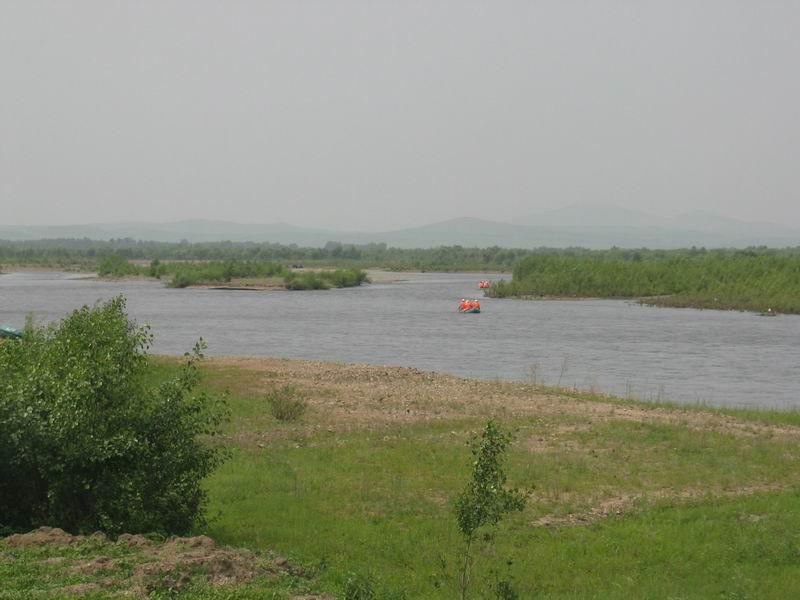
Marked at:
<point>379,395</point>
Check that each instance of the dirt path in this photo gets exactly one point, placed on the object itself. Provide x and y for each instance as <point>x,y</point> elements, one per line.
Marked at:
<point>625,503</point>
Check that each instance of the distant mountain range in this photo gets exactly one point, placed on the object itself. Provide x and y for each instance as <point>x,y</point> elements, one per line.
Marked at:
<point>586,226</point>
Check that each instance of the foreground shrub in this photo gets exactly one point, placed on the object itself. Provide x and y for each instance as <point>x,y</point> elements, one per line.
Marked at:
<point>486,499</point>
<point>286,403</point>
<point>86,444</point>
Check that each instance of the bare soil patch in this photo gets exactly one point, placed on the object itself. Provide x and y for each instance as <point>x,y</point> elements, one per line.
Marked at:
<point>366,396</point>
<point>43,535</point>
<point>625,503</point>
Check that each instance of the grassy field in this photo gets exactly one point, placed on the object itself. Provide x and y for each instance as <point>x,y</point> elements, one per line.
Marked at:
<point>628,500</point>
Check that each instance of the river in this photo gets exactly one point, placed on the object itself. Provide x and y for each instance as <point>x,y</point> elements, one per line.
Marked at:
<point>718,358</point>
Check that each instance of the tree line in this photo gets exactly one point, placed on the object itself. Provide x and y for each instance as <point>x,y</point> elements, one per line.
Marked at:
<point>86,253</point>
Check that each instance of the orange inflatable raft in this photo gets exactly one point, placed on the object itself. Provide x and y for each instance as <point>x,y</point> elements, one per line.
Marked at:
<point>469,306</point>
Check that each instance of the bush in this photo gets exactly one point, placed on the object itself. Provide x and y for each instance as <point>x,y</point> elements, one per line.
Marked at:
<point>181,279</point>
<point>323,280</point>
<point>486,499</point>
<point>156,269</point>
<point>87,444</point>
<point>114,265</point>
<point>286,403</point>
<point>308,280</point>
<point>345,277</point>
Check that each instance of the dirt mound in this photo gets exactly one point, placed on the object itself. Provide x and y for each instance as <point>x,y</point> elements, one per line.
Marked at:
<point>168,565</point>
<point>80,589</point>
<point>43,535</point>
<point>90,567</point>
<point>135,541</point>
<point>173,562</point>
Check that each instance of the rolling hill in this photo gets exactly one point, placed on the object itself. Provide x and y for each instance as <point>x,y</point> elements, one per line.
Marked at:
<point>585,226</point>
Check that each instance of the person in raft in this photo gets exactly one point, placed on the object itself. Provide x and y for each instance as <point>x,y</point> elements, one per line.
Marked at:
<point>463,305</point>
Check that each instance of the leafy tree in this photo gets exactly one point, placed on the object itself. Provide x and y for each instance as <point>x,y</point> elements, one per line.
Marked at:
<point>115,265</point>
<point>156,269</point>
<point>485,500</point>
<point>87,444</point>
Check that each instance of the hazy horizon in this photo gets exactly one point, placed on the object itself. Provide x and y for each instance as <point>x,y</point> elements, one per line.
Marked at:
<point>381,116</point>
<point>660,219</point>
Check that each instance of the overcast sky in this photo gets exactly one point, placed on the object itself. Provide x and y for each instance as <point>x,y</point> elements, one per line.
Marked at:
<point>379,115</point>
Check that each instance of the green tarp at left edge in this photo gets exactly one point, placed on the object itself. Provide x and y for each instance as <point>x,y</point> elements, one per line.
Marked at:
<point>6,331</point>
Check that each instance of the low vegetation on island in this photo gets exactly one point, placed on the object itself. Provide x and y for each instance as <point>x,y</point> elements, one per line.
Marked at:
<point>761,281</point>
<point>231,273</point>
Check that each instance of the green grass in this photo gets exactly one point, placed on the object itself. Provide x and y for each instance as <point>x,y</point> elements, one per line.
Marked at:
<point>739,280</point>
<point>381,502</point>
<point>743,548</point>
<point>694,512</point>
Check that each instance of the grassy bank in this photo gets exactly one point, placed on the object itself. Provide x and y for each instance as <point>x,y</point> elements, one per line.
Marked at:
<point>756,281</point>
<point>628,500</point>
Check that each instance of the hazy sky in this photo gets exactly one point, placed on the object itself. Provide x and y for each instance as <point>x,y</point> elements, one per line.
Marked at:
<point>376,115</point>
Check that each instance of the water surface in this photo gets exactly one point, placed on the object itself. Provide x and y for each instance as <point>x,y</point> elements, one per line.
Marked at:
<point>714,357</point>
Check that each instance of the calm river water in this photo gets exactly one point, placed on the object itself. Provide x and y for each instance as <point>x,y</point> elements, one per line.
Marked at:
<point>714,357</point>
